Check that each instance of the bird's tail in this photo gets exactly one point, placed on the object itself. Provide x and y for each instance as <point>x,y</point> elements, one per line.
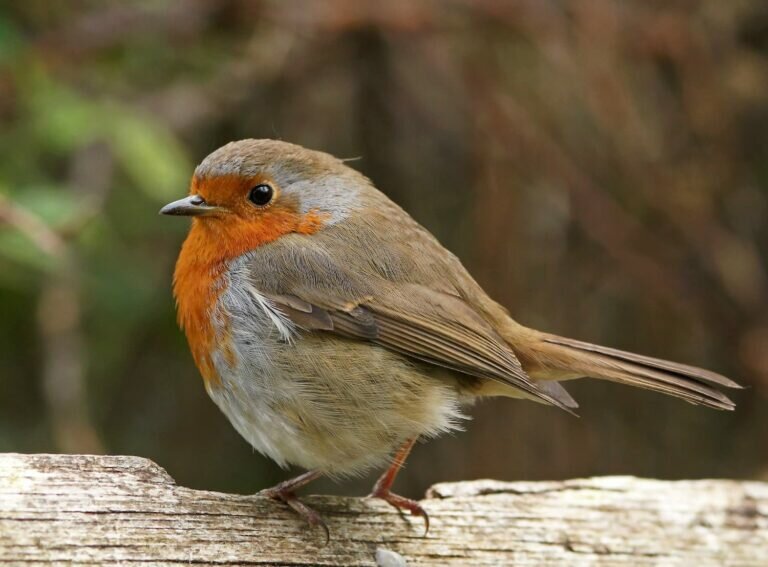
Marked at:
<point>558,358</point>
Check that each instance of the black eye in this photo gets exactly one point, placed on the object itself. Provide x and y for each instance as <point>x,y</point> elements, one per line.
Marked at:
<point>261,194</point>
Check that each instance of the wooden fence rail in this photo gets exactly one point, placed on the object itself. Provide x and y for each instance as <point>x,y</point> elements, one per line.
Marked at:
<point>78,509</point>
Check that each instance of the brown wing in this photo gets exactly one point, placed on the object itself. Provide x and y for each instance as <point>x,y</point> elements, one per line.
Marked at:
<point>431,326</point>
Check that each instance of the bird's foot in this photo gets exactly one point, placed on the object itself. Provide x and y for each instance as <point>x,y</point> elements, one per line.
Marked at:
<point>402,503</point>
<point>311,516</point>
<point>285,492</point>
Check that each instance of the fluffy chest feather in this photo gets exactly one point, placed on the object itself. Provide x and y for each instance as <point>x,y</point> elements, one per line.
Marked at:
<point>252,338</point>
<point>201,277</point>
<point>234,333</point>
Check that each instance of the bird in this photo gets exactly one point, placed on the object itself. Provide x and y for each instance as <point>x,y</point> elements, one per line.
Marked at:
<point>334,331</point>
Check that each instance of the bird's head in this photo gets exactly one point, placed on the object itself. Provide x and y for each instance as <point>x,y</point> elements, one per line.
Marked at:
<point>254,191</point>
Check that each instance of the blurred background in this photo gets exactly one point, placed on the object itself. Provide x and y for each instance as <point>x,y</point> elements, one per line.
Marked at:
<point>600,166</point>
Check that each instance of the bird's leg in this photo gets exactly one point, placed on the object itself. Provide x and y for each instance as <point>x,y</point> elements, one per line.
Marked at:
<point>286,492</point>
<point>382,487</point>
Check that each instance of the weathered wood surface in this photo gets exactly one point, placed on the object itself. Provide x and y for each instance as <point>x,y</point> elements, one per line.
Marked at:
<point>70,509</point>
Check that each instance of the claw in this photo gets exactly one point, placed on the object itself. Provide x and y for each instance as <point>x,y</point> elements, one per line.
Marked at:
<point>285,492</point>
<point>308,514</point>
<point>403,503</point>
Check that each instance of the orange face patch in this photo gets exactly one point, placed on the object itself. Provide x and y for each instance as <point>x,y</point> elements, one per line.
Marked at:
<point>215,240</point>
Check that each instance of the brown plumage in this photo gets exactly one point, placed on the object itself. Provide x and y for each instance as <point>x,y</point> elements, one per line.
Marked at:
<point>331,328</point>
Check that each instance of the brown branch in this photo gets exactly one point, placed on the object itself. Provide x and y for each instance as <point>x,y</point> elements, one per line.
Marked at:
<point>32,227</point>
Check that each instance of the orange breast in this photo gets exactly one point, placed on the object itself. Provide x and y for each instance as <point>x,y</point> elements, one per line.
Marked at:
<point>198,280</point>
<point>197,285</point>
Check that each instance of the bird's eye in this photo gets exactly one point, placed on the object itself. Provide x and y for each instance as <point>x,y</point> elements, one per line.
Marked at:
<point>261,194</point>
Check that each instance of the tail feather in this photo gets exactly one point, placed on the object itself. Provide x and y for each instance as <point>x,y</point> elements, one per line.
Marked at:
<point>577,358</point>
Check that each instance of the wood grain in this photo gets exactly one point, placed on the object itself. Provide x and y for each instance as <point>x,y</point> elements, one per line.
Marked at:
<point>77,509</point>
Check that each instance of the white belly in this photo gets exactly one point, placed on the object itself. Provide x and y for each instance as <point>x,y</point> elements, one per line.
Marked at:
<point>320,401</point>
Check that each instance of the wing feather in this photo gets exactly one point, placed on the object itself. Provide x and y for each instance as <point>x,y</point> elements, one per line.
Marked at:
<point>428,336</point>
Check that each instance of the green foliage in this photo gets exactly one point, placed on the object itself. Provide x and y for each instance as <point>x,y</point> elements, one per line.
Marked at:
<point>153,159</point>
<point>149,154</point>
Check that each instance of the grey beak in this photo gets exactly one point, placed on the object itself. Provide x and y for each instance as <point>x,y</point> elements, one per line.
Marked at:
<point>192,206</point>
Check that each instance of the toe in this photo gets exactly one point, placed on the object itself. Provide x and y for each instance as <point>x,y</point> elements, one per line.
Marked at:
<point>403,503</point>
<point>310,516</point>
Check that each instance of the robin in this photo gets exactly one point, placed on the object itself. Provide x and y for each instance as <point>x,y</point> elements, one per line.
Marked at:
<point>334,331</point>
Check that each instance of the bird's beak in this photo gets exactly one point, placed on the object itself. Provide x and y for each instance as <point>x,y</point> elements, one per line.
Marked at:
<point>192,206</point>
